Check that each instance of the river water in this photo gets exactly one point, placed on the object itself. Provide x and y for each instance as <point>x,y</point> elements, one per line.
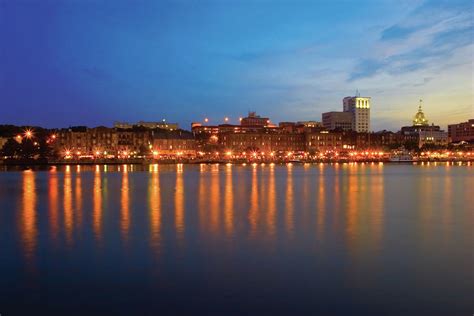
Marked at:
<point>322,239</point>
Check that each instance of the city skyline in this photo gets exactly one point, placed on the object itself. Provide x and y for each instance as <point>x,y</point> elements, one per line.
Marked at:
<point>95,63</point>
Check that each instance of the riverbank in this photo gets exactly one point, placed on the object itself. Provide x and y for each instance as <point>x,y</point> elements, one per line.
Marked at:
<point>136,161</point>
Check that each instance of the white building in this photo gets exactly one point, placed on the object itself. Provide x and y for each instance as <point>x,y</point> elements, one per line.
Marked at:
<point>359,107</point>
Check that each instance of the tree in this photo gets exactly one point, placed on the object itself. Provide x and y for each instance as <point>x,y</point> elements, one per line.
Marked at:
<point>11,149</point>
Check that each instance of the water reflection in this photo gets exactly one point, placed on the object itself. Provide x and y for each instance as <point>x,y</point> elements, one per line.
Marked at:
<point>348,223</point>
<point>68,213</point>
<point>289,206</point>
<point>214,199</point>
<point>78,197</point>
<point>155,208</point>
<point>28,226</point>
<point>97,204</point>
<point>229,201</point>
<point>125,205</point>
<point>272,200</point>
<point>321,206</point>
<point>179,202</point>
<point>253,211</point>
<point>53,215</point>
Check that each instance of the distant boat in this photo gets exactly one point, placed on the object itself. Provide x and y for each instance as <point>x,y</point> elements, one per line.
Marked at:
<point>401,158</point>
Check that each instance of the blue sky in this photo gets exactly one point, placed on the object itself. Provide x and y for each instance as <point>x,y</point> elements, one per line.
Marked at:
<point>89,62</point>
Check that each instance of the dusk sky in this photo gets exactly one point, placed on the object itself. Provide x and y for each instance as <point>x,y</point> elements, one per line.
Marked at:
<point>92,63</point>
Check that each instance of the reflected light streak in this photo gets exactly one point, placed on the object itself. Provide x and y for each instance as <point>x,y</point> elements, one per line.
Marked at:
<point>229,202</point>
<point>78,198</point>
<point>125,205</point>
<point>155,208</point>
<point>68,215</point>
<point>53,205</point>
<point>97,205</point>
<point>253,216</point>
<point>271,214</point>
<point>290,221</point>
<point>179,202</point>
<point>321,206</point>
<point>28,229</point>
<point>215,199</point>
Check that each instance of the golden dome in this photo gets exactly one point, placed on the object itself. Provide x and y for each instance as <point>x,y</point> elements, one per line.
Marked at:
<point>419,119</point>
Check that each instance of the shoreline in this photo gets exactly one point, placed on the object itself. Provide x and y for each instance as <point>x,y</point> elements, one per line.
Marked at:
<point>26,163</point>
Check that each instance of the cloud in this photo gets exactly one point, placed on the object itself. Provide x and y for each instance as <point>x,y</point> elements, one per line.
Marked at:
<point>427,35</point>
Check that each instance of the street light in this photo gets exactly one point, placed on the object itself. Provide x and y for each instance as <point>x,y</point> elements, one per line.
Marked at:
<point>28,133</point>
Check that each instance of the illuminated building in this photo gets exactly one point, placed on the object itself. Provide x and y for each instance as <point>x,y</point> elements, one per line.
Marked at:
<point>179,143</point>
<point>254,120</point>
<point>359,108</point>
<point>323,141</point>
<point>337,121</point>
<point>437,138</point>
<point>423,132</point>
<point>420,119</point>
<point>310,124</point>
<point>266,142</point>
<point>462,131</point>
<point>150,125</point>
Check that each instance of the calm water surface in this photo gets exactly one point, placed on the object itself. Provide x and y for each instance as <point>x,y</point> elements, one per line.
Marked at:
<point>345,239</point>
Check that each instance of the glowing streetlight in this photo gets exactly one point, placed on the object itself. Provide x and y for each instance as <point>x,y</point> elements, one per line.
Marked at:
<point>206,120</point>
<point>226,119</point>
<point>28,133</point>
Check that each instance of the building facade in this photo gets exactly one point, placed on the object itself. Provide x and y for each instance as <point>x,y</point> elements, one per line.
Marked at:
<point>323,141</point>
<point>254,120</point>
<point>263,142</point>
<point>151,125</point>
<point>337,121</point>
<point>462,131</point>
<point>423,132</point>
<point>359,108</point>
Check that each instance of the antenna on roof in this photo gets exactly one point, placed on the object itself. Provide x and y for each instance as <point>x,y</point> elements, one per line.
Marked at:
<point>357,93</point>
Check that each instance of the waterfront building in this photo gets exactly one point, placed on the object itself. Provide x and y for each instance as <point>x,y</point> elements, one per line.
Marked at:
<point>310,124</point>
<point>174,144</point>
<point>423,132</point>
<point>323,141</point>
<point>359,108</point>
<point>150,125</point>
<point>254,120</point>
<point>263,142</point>
<point>436,138</point>
<point>337,121</point>
<point>133,142</point>
<point>462,131</point>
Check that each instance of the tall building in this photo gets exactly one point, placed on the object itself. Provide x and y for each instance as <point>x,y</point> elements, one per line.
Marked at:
<point>337,120</point>
<point>359,107</point>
